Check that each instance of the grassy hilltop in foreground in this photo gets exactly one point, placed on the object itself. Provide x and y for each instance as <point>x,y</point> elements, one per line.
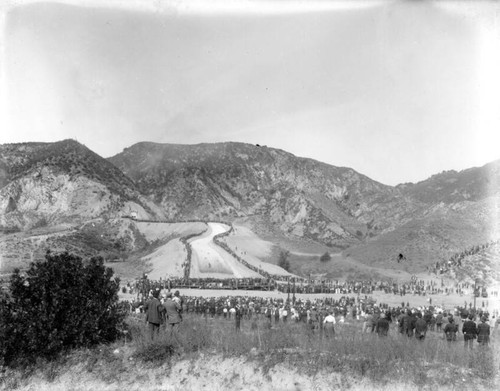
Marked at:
<point>298,204</point>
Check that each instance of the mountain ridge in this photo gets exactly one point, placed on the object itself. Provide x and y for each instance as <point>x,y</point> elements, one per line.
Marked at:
<point>283,197</point>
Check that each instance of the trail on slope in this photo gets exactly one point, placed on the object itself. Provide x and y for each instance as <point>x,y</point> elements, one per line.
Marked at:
<point>211,261</point>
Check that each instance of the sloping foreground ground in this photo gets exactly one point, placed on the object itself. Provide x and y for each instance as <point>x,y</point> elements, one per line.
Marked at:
<point>209,372</point>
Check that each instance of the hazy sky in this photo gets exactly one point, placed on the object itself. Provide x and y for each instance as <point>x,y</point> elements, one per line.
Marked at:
<point>397,90</point>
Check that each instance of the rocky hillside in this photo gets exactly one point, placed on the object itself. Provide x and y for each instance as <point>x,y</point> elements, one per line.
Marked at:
<point>306,199</point>
<point>283,198</point>
<point>449,187</point>
<point>63,182</point>
<point>299,197</point>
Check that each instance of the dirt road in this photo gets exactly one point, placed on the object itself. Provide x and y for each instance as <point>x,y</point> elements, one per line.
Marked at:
<point>211,261</point>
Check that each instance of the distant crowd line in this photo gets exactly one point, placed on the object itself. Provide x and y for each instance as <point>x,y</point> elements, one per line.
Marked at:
<point>307,286</point>
<point>457,259</point>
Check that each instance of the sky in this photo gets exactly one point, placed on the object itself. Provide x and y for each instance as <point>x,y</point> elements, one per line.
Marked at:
<point>397,90</point>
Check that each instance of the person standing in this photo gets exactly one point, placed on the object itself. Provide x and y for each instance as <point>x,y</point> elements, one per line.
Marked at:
<point>172,309</point>
<point>439,321</point>
<point>451,330</point>
<point>329,324</point>
<point>469,330</point>
<point>154,314</point>
<point>408,323</point>
<point>367,324</point>
<point>179,300</point>
<point>483,332</point>
<point>314,319</point>
<point>420,327</point>
<point>382,327</point>
<point>237,316</point>
<point>276,312</point>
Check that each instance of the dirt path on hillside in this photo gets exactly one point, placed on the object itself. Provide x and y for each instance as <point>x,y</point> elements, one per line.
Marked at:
<point>210,260</point>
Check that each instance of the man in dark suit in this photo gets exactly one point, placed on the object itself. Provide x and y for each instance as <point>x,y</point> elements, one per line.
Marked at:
<point>469,330</point>
<point>420,327</point>
<point>382,326</point>
<point>154,313</point>
<point>483,332</point>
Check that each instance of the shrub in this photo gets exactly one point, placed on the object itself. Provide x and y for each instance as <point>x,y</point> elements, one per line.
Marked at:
<point>283,260</point>
<point>58,304</point>
<point>325,257</point>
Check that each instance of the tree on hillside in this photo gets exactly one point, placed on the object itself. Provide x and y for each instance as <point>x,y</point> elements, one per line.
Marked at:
<point>283,260</point>
<point>58,304</point>
<point>325,257</point>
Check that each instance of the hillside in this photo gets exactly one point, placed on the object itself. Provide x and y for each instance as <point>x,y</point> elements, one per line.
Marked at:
<point>64,182</point>
<point>293,203</point>
<point>299,197</point>
<point>287,199</point>
<point>479,264</point>
<point>474,184</point>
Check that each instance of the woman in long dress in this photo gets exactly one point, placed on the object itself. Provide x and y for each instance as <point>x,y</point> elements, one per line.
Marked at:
<point>329,324</point>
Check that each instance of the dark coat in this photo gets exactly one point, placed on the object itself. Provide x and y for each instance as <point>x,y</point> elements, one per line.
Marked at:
<point>420,328</point>
<point>451,330</point>
<point>382,327</point>
<point>483,332</point>
<point>154,311</point>
<point>469,329</point>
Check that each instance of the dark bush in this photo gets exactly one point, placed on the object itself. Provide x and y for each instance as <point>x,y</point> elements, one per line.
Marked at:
<point>58,304</point>
<point>283,260</point>
<point>156,352</point>
<point>325,257</point>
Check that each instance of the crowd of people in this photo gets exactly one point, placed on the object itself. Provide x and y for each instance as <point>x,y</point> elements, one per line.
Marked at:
<point>306,286</point>
<point>457,259</point>
<point>323,315</point>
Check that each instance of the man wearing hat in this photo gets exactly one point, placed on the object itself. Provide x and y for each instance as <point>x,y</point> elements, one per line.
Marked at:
<point>172,309</point>
<point>154,313</point>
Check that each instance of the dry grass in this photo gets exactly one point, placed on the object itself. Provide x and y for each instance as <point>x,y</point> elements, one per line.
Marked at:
<point>211,352</point>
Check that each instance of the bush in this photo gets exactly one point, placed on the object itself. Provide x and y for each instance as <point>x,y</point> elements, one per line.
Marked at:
<point>325,257</point>
<point>283,260</point>
<point>58,304</point>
